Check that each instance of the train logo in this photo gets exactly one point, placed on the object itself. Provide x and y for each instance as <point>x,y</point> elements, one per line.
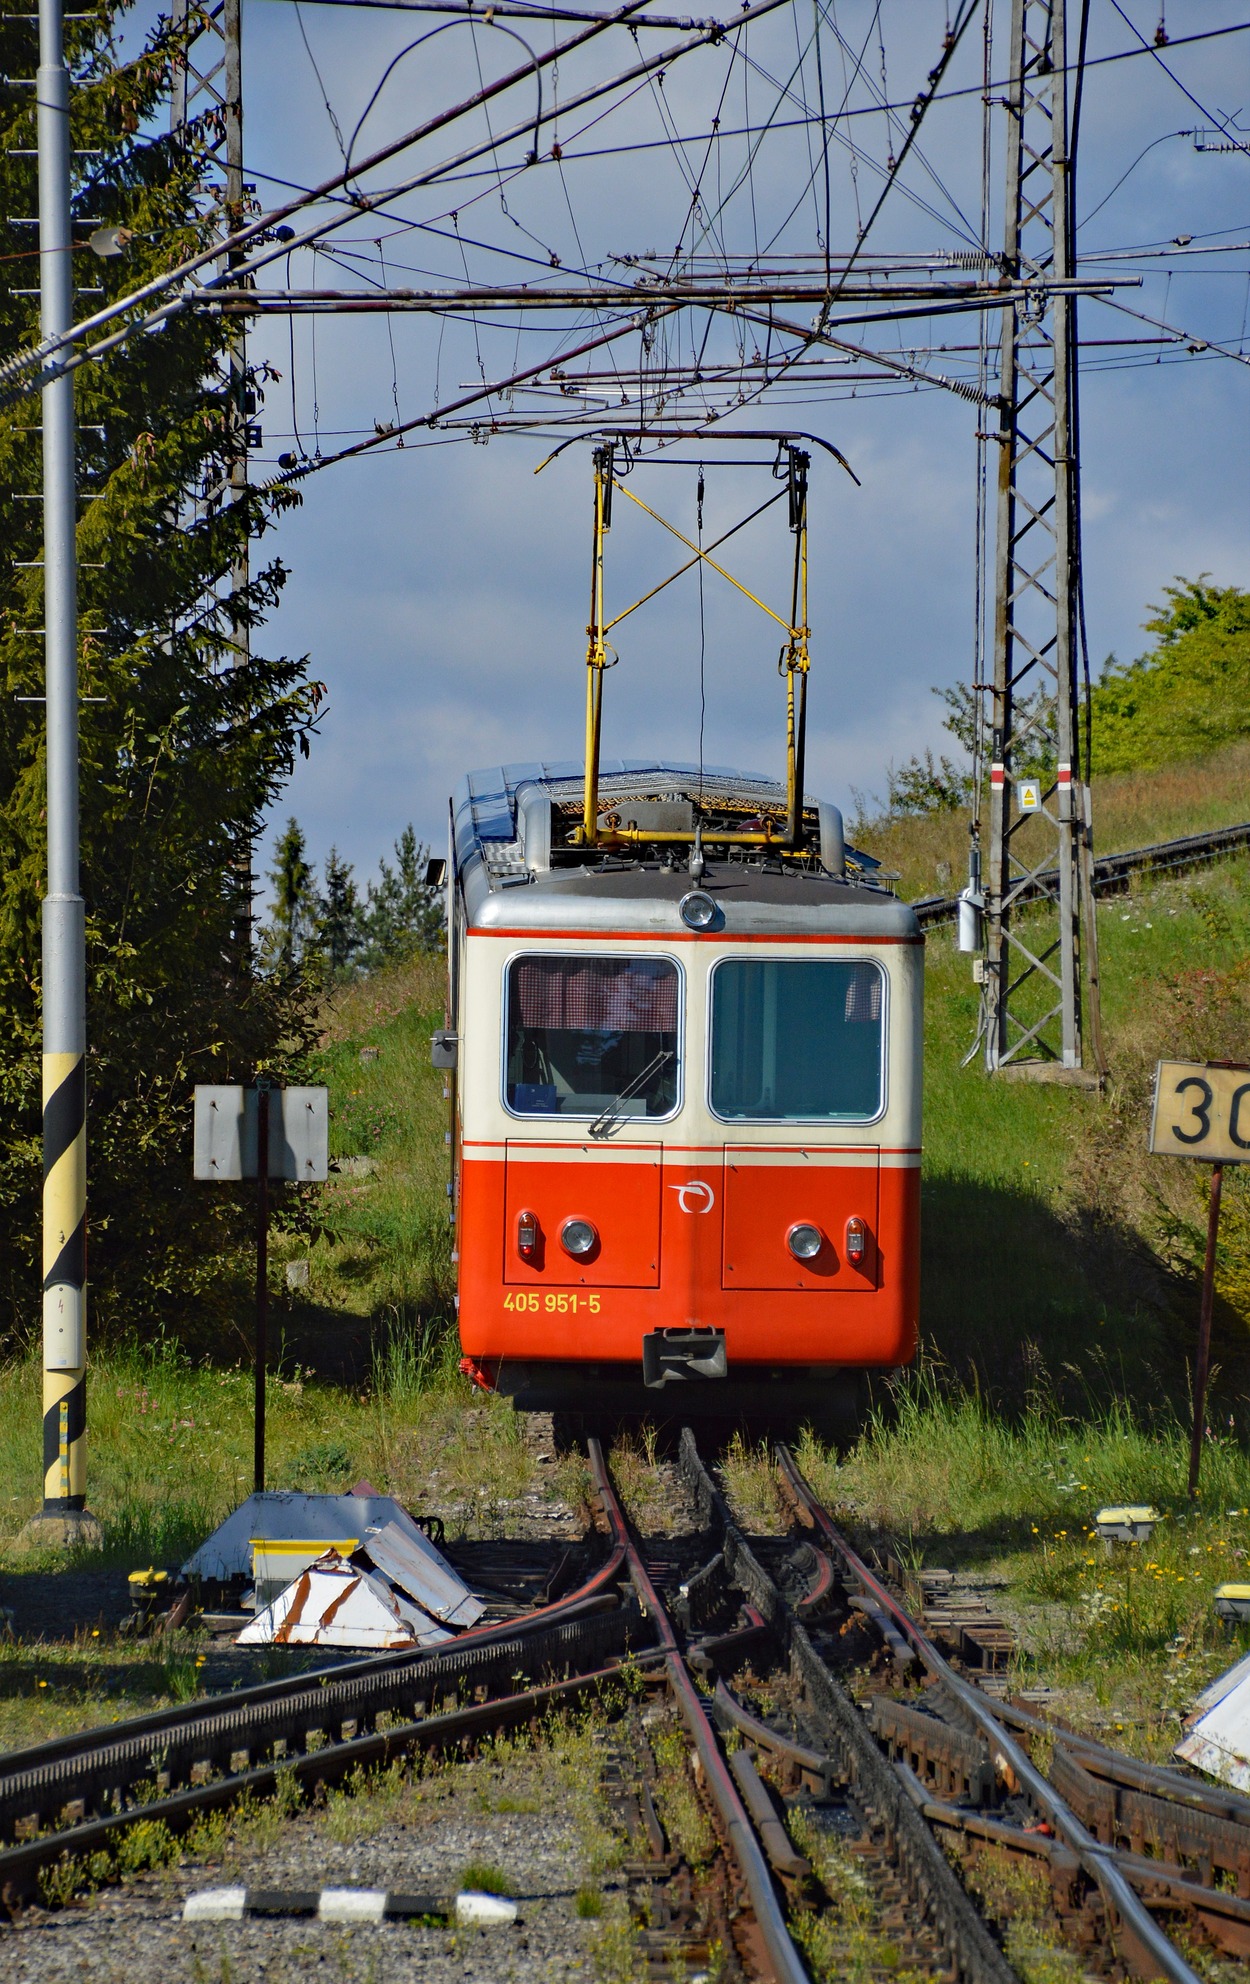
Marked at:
<point>696,1195</point>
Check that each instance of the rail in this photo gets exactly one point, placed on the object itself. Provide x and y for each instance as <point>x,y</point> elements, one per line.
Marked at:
<point>1155,1955</point>
<point>1112,872</point>
<point>77,1794</point>
<point>787,1965</point>
<point>849,1749</point>
<point>906,1767</point>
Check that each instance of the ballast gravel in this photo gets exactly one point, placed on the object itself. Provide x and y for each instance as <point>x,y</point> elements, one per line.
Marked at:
<point>135,1934</point>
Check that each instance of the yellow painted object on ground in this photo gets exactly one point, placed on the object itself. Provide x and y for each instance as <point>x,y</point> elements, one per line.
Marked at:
<point>277,1561</point>
<point>1131,1524</point>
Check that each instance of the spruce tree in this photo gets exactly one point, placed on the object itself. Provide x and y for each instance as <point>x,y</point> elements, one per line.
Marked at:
<point>402,915</point>
<point>339,933</point>
<point>182,750</point>
<point>292,923</point>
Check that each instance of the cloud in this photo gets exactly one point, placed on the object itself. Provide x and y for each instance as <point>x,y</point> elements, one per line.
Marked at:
<point>442,591</point>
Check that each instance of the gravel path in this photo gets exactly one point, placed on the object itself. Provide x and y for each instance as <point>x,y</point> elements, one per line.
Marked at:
<point>419,1839</point>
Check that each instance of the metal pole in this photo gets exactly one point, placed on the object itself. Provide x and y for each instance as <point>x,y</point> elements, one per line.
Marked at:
<point>63,1520</point>
<point>1034,964</point>
<point>1203,1364</point>
<point>262,1281</point>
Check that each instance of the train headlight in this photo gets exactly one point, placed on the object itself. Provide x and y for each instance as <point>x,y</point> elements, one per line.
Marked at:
<point>578,1237</point>
<point>856,1241</point>
<point>527,1235</point>
<point>697,910</point>
<point>805,1242</point>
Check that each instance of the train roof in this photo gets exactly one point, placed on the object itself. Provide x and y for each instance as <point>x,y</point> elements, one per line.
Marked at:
<point>602,891</point>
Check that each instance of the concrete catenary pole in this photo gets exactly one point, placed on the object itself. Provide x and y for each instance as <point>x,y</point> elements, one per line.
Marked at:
<point>63,1518</point>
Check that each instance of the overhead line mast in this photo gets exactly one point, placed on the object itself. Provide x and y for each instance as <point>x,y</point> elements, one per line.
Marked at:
<point>63,1520</point>
<point>1036,1020</point>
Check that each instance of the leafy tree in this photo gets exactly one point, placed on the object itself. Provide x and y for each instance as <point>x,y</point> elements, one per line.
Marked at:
<point>1186,697</point>
<point>926,785</point>
<point>182,750</point>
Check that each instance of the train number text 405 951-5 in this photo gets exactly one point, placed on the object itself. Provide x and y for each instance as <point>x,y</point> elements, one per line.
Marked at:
<point>555,1304</point>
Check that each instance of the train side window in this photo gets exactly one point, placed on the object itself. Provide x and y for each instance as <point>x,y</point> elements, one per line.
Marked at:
<point>587,1033</point>
<point>797,1040</point>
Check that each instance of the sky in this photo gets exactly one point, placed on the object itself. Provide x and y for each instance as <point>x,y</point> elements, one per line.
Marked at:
<point>440,590</point>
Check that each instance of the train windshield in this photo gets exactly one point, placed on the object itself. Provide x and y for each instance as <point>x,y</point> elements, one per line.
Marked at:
<point>588,1035</point>
<point>797,1040</point>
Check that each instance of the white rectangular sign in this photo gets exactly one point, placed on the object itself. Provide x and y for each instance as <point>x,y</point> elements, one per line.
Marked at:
<point>225,1133</point>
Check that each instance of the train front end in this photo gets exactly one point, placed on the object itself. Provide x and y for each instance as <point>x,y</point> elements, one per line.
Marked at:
<point>686,1108</point>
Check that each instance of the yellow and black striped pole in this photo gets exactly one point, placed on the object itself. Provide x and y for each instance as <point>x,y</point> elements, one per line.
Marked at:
<point>64,1283</point>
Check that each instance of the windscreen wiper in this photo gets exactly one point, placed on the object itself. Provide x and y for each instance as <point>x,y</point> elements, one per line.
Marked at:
<point>604,1120</point>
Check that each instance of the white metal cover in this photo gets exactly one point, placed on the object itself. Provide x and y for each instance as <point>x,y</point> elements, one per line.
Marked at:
<point>226,1133</point>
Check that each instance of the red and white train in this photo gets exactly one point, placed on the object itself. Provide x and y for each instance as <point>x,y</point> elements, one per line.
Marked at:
<point>686,1098</point>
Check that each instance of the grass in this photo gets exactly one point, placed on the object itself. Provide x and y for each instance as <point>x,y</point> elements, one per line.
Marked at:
<point>1126,1637</point>
<point>1058,1298</point>
<point>559,1764</point>
<point>930,853</point>
<point>684,1819</point>
<point>1042,1227</point>
<point>381,1241</point>
<point>838,1929</point>
<point>483,1877</point>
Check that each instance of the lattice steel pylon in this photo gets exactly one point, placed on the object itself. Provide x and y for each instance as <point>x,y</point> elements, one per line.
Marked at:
<point>1041,993</point>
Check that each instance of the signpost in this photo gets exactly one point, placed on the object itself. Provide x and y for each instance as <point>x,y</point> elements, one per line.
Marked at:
<point>1202,1110</point>
<point>261,1133</point>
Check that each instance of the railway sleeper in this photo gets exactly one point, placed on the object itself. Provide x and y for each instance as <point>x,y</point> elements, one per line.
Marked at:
<point>21,1865</point>
<point>1221,1919</point>
<point>192,1750</point>
<point>938,1901</point>
<point>1124,1816</point>
<point>953,1763</point>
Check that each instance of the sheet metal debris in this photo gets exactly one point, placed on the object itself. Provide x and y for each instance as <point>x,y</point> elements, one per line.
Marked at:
<point>335,1603</point>
<point>277,1562</point>
<point>1218,1738</point>
<point>409,1561</point>
<point>380,1585</point>
<point>279,1515</point>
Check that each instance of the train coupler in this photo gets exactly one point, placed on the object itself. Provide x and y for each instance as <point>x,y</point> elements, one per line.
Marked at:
<point>673,1355</point>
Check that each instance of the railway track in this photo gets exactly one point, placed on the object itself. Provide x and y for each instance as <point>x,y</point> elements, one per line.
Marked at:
<point>825,1729</point>
<point>1112,872</point>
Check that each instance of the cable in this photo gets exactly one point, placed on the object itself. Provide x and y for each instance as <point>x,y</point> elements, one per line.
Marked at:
<point>702,628</point>
<point>1221,123</point>
<point>1132,168</point>
<point>325,97</point>
<point>1196,344</point>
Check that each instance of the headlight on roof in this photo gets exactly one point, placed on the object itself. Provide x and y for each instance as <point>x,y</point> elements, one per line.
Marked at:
<point>697,910</point>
